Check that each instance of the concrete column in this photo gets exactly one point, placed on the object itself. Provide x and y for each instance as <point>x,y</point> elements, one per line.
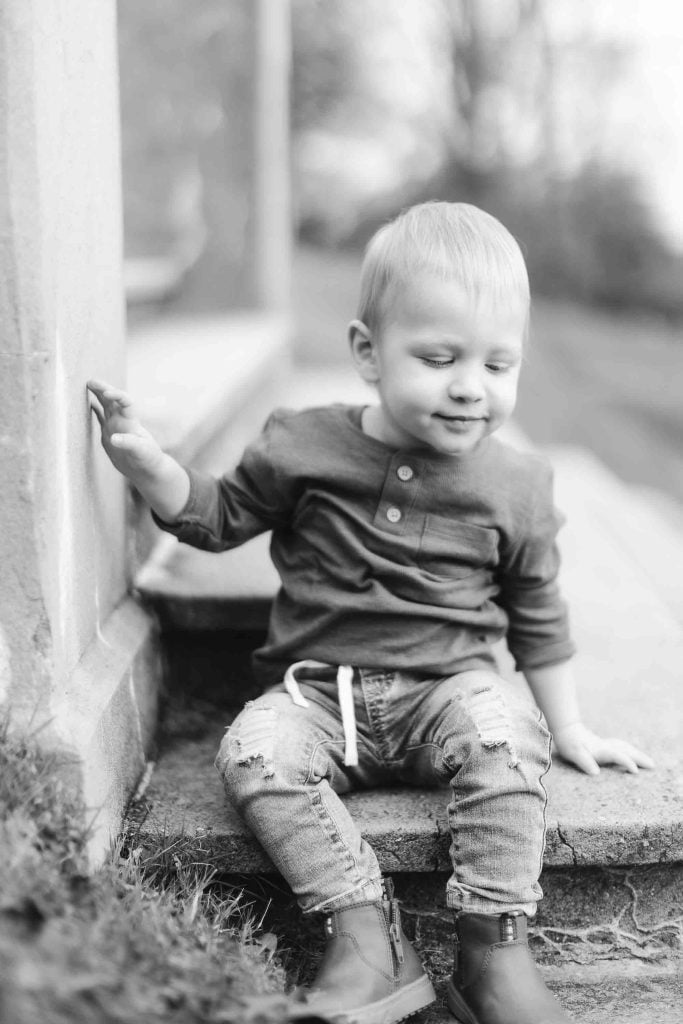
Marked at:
<point>272,183</point>
<point>75,653</point>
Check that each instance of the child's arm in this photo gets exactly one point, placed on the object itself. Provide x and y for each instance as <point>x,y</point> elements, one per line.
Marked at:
<point>133,451</point>
<point>554,689</point>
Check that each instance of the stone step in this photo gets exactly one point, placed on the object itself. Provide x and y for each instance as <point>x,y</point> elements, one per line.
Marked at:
<point>603,821</point>
<point>198,381</point>
<point>593,997</point>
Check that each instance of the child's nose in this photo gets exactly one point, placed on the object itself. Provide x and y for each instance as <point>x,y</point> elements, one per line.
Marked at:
<point>466,385</point>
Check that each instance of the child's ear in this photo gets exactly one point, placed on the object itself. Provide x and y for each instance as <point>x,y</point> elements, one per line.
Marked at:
<point>363,351</point>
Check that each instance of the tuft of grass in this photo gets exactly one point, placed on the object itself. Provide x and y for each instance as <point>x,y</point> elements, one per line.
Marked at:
<point>131,943</point>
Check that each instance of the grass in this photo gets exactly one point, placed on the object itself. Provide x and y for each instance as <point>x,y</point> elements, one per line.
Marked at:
<point>132,943</point>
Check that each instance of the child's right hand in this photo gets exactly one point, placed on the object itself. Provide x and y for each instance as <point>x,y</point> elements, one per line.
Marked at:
<point>131,448</point>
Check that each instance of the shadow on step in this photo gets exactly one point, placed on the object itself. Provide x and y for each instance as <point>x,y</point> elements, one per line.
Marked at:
<point>206,672</point>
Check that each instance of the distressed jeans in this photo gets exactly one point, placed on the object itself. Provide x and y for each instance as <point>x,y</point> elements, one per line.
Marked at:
<point>283,767</point>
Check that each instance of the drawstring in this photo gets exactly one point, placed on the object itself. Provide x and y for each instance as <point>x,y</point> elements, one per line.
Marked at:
<point>344,696</point>
<point>291,685</point>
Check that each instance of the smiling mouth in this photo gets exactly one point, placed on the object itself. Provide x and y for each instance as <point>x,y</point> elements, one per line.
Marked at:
<point>459,419</point>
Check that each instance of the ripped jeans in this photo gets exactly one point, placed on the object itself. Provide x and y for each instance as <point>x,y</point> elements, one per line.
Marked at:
<point>283,766</point>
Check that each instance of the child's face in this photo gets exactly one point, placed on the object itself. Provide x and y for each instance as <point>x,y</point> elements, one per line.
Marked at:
<point>446,370</point>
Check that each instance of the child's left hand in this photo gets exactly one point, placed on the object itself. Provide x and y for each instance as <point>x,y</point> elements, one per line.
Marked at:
<point>580,746</point>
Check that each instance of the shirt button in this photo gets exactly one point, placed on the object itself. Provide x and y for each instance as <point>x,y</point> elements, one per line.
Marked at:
<point>393,514</point>
<point>404,473</point>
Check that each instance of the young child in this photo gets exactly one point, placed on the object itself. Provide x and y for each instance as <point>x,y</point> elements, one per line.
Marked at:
<point>408,539</point>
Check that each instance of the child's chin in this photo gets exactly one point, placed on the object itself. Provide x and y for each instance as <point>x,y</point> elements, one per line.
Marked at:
<point>453,448</point>
<point>458,444</point>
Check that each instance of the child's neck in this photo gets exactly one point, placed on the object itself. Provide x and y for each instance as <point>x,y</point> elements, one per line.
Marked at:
<point>373,425</point>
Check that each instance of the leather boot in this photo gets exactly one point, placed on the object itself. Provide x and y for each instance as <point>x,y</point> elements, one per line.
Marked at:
<point>495,980</point>
<point>370,974</point>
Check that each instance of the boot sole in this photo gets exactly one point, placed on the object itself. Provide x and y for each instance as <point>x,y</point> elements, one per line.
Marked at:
<point>392,1009</point>
<point>458,1007</point>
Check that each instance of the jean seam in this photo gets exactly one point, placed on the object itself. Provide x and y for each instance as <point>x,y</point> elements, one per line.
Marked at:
<point>374,704</point>
<point>310,774</point>
<point>325,818</point>
<point>433,746</point>
<point>545,791</point>
<point>449,763</point>
<point>398,765</point>
<point>313,789</point>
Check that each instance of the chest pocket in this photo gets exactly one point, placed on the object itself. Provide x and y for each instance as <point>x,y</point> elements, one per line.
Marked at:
<point>454,550</point>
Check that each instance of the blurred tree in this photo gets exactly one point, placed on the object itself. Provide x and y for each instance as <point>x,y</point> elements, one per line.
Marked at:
<point>371,108</point>
<point>532,97</point>
<point>504,105</point>
<point>500,78</point>
<point>326,64</point>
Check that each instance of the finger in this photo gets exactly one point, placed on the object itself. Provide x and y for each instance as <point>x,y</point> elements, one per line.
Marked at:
<point>132,444</point>
<point>621,760</point>
<point>96,408</point>
<point>113,400</point>
<point>583,760</point>
<point>587,764</point>
<point>121,398</point>
<point>98,387</point>
<point>126,442</point>
<point>641,759</point>
<point>118,404</point>
<point>623,754</point>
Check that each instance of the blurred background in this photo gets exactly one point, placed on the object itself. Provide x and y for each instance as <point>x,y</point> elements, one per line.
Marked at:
<point>562,117</point>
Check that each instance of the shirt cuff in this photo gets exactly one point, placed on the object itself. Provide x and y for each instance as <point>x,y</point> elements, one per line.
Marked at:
<point>552,654</point>
<point>198,504</point>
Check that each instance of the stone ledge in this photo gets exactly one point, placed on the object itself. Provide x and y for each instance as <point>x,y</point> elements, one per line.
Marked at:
<point>202,385</point>
<point>590,821</point>
<point>191,589</point>
<point>191,376</point>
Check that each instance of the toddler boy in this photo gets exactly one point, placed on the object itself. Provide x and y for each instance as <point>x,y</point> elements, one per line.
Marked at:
<point>408,540</point>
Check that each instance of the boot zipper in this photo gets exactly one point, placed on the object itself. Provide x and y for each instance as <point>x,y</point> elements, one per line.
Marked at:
<point>508,925</point>
<point>395,930</point>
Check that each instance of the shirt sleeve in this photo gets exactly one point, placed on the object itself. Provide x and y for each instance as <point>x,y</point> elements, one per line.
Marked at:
<point>538,631</point>
<point>224,512</point>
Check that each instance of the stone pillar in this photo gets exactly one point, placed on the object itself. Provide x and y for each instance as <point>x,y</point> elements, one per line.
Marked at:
<point>272,183</point>
<point>76,654</point>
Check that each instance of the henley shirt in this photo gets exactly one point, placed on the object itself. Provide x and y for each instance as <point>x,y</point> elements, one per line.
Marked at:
<point>390,559</point>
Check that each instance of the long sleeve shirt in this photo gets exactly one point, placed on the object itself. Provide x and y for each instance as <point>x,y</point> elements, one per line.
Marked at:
<point>389,558</point>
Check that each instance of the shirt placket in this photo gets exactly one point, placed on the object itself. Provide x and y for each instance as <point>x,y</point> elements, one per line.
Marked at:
<point>394,512</point>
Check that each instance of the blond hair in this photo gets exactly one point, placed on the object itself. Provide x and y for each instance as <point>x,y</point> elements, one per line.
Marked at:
<point>454,241</point>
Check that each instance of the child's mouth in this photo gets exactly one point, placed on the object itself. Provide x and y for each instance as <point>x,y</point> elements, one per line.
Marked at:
<point>458,419</point>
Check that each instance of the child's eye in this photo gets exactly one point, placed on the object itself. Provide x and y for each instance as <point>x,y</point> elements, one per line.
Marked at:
<point>436,362</point>
<point>497,367</point>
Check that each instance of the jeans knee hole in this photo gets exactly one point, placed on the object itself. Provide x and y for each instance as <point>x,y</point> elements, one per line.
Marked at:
<point>489,712</point>
<point>251,740</point>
